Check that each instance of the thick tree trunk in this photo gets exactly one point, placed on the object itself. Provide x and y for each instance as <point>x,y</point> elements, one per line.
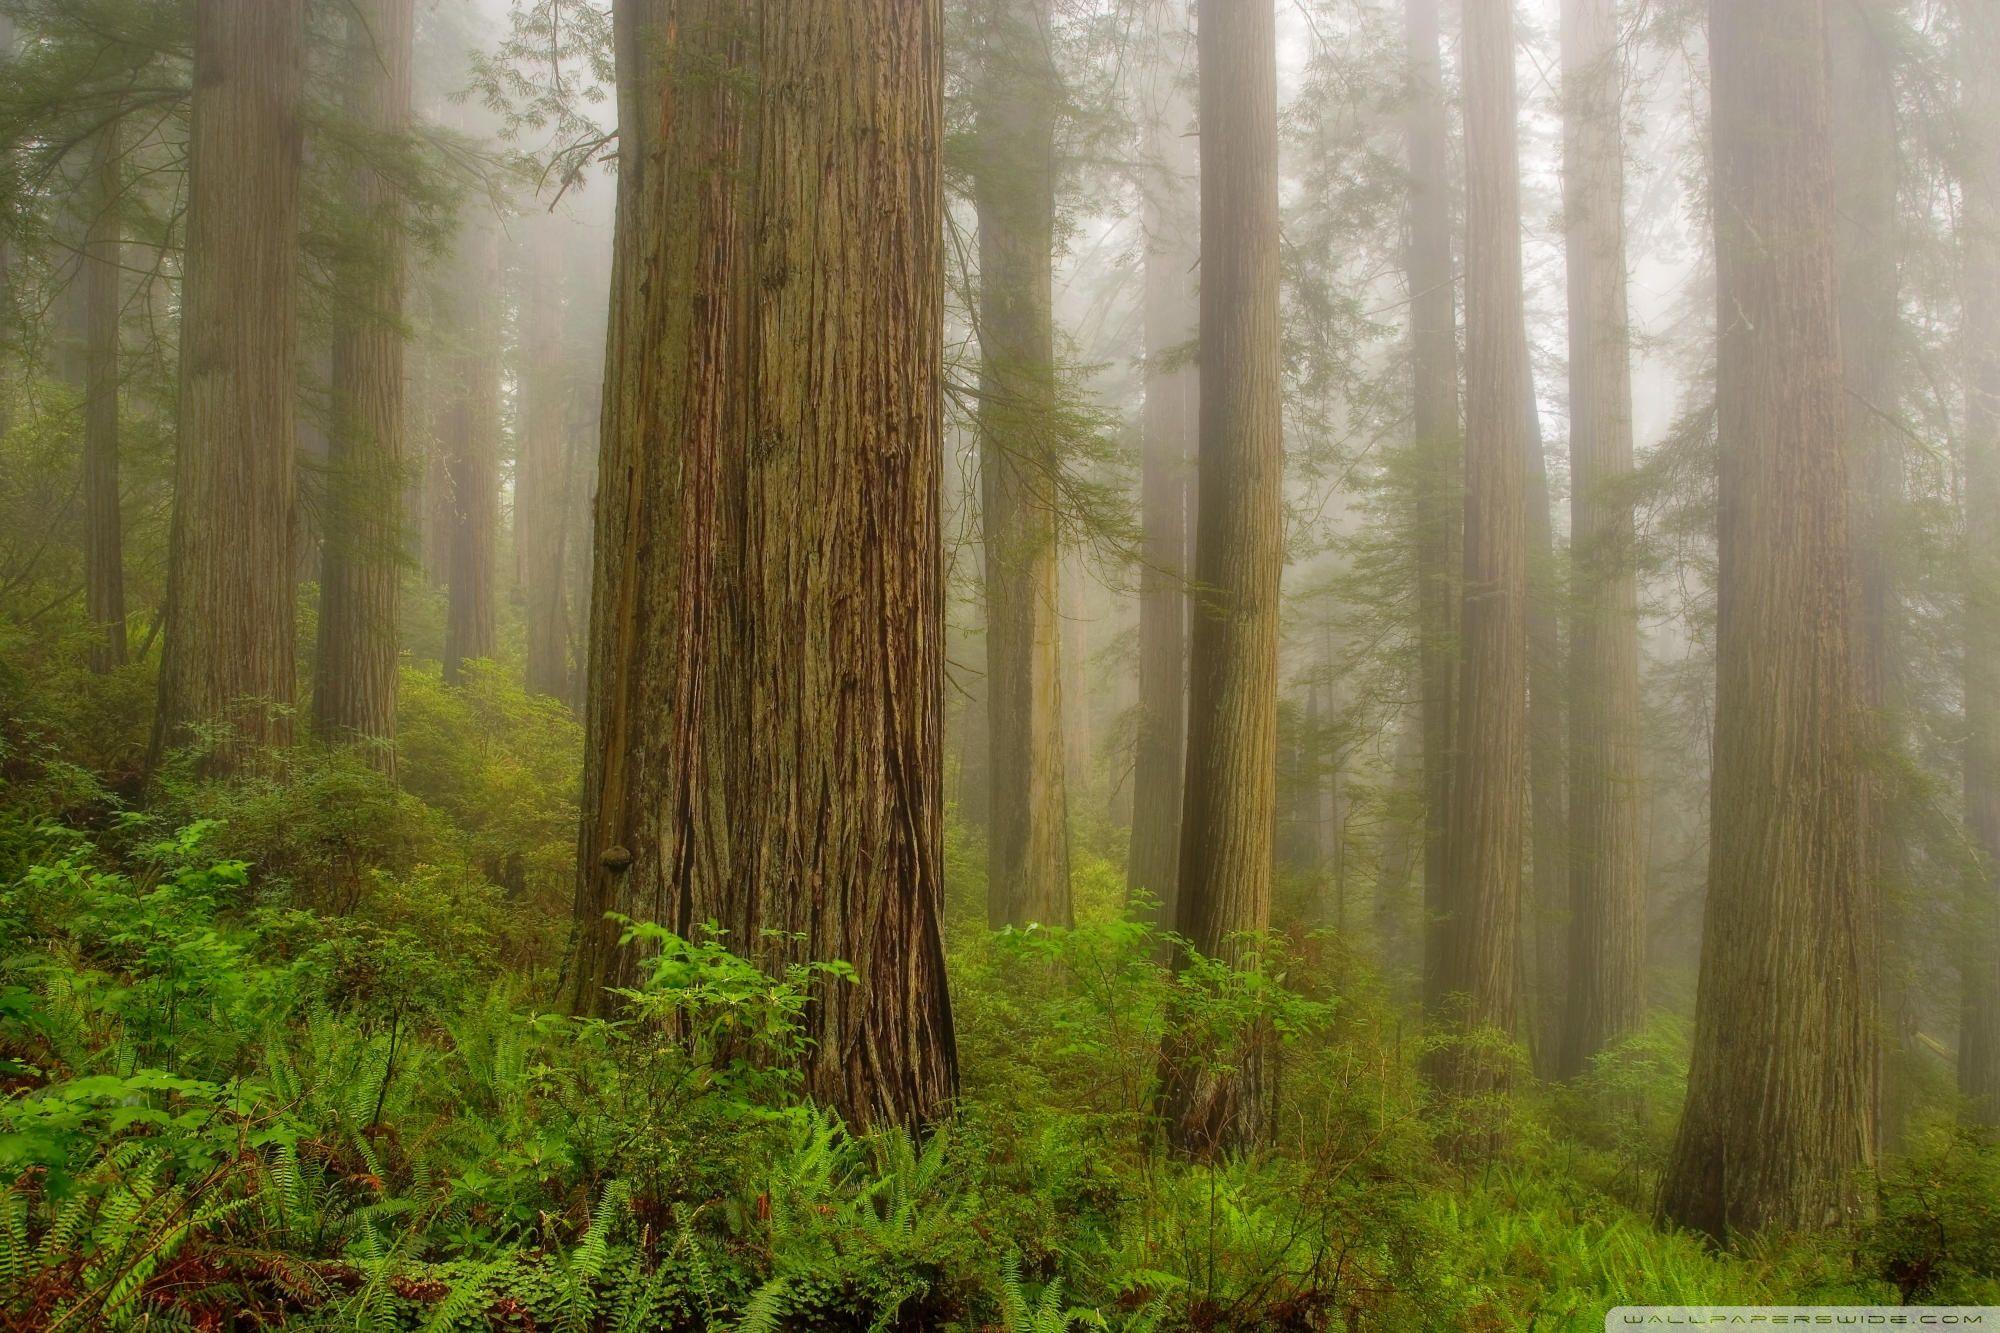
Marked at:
<point>1866,173</point>
<point>1606,985</point>
<point>229,654</point>
<point>1214,1102</point>
<point>1166,457</point>
<point>471,441</point>
<point>1439,466</point>
<point>1782,1083</point>
<point>1014,189</point>
<point>541,484</point>
<point>766,645</point>
<point>1979,1029</point>
<point>361,568</point>
<point>1483,928</point>
<point>104,525</point>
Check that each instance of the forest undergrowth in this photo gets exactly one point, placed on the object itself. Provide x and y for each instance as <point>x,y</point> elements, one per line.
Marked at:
<point>286,1051</point>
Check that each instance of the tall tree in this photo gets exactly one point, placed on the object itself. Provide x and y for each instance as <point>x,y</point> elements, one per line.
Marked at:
<point>1867,172</point>
<point>1167,426</point>
<point>767,629</point>
<point>1605,986</point>
<point>1548,794</point>
<point>1014,190</point>
<point>1439,467</point>
<point>1229,814</point>
<point>1979,257</point>
<point>470,439</point>
<point>229,652</point>
<point>362,553</point>
<point>1781,1084</point>
<point>541,486</point>
<point>1483,923</point>
<point>104,523</point>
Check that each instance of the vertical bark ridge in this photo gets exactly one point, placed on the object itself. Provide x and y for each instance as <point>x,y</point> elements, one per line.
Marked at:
<point>1782,1082</point>
<point>229,655</point>
<point>361,570</point>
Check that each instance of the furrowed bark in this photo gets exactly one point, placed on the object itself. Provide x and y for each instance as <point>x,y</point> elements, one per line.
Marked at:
<point>766,645</point>
<point>362,556</point>
<point>1213,1105</point>
<point>229,655</point>
<point>1782,1082</point>
<point>1168,425</point>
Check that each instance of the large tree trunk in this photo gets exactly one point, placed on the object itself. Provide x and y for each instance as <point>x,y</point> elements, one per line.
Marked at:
<point>1166,455</point>
<point>1606,985</point>
<point>1229,815</point>
<point>1014,188</point>
<point>471,442</point>
<point>1781,1086</point>
<point>104,526</point>
<point>541,485</point>
<point>1979,1030</point>
<point>1483,928</point>
<point>766,648</point>
<point>1866,174</point>
<point>229,654</point>
<point>361,568</point>
<point>1438,465</point>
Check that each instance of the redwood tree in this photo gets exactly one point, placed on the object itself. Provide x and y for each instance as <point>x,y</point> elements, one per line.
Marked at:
<point>1782,1081</point>
<point>1167,426</point>
<point>1482,927</point>
<point>1027,876</point>
<point>1230,809</point>
<point>229,652</point>
<point>766,622</point>
<point>469,437</point>
<point>1605,986</point>
<point>1435,434</point>
<point>361,569</point>
<point>1979,1028</point>
<point>104,524</point>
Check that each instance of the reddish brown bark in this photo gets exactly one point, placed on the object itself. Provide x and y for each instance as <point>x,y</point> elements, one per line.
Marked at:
<point>764,747</point>
<point>228,660</point>
<point>362,553</point>
<point>1782,1081</point>
<point>1229,813</point>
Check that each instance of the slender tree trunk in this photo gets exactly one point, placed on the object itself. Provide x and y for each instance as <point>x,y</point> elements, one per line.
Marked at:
<point>1483,929</point>
<point>1168,425</point>
<point>1014,190</point>
<point>1866,173</point>
<point>104,524</point>
<point>1979,1029</point>
<point>471,440</point>
<point>1439,467</point>
<point>1548,778</point>
<point>361,568</point>
<point>541,487</point>
<point>1606,986</point>
<point>1214,1102</point>
<point>1781,1086</point>
<point>1395,853</point>
<point>229,654</point>
<point>766,647</point>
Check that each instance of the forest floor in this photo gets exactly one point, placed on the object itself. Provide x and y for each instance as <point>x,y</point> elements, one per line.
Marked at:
<point>286,1051</point>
